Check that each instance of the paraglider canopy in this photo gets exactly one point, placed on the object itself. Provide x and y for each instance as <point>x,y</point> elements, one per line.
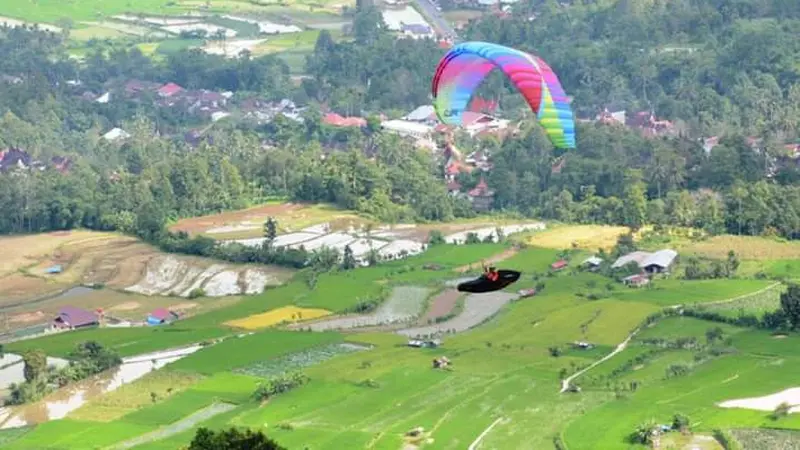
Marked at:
<point>466,65</point>
<point>484,284</point>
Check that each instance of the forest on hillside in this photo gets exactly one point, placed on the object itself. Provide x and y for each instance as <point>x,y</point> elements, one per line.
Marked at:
<point>739,79</point>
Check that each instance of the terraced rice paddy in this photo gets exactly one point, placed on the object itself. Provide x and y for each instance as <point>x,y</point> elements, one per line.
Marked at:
<point>404,304</point>
<point>477,309</point>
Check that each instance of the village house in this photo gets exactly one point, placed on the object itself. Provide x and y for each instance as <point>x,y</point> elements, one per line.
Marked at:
<point>116,134</point>
<point>336,120</point>
<point>481,197</point>
<point>592,263</point>
<point>636,281</point>
<point>559,265</point>
<point>71,318</point>
<point>136,87</point>
<point>169,90</point>
<point>407,128</point>
<point>161,316</point>
<point>657,262</point>
<point>417,31</point>
<point>650,126</point>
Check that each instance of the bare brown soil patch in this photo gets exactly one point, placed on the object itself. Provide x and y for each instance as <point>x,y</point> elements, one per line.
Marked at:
<point>442,305</point>
<point>203,223</point>
<point>494,259</point>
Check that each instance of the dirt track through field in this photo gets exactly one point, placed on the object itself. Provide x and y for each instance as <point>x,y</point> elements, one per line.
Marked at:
<point>492,260</point>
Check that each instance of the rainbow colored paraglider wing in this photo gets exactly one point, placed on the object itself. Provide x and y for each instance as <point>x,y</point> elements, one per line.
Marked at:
<point>465,66</point>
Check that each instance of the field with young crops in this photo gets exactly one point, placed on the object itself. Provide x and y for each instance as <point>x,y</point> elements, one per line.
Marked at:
<point>299,360</point>
<point>761,439</point>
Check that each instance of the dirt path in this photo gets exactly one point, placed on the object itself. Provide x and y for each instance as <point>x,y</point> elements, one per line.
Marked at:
<point>729,300</point>
<point>565,383</point>
<point>480,437</point>
<point>494,259</point>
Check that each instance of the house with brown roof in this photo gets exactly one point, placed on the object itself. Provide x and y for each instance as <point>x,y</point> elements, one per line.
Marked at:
<point>481,197</point>
<point>134,87</point>
<point>72,318</point>
<point>169,90</point>
<point>336,120</point>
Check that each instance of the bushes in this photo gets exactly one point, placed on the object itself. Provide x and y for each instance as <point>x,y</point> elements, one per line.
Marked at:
<point>726,440</point>
<point>279,385</point>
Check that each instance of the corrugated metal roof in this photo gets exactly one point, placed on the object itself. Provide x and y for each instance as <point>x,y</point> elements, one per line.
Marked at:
<point>594,260</point>
<point>661,258</point>
<point>637,257</point>
<point>423,113</point>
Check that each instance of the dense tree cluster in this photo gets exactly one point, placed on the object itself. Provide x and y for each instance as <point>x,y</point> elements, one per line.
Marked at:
<point>715,65</point>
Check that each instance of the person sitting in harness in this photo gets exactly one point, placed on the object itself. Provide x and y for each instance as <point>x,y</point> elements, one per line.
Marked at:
<point>491,273</point>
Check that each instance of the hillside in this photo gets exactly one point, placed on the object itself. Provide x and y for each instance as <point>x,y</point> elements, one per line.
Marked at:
<point>367,388</point>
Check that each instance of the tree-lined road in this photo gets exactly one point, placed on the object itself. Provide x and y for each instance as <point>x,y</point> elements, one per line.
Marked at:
<point>434,15</point>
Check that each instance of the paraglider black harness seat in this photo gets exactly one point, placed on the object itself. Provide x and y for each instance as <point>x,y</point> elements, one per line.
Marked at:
<point>490,280</point>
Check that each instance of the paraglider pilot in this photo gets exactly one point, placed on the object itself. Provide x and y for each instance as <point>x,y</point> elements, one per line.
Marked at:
<point>490,273</point>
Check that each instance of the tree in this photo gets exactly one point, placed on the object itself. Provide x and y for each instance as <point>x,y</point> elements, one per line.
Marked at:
<point>232,439</point>
<point>435,237</point>
<point>35,365</point>
<point>645,432</point>
<point>270,230</point>
<point>348,260</point>
<point>781,410</point>
<point>681,423</point>
<point>635,209</point>
<point>714,334</point>
<point>790,304</point>
<point>732,264</point>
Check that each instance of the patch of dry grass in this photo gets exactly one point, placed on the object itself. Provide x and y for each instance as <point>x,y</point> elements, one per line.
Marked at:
<point>590,237</point>
<point>276,316</point>
<point>746,247</point>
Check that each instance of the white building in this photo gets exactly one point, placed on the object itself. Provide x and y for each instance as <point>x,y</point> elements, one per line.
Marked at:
<point>408,129</point>
<point>116,134</point>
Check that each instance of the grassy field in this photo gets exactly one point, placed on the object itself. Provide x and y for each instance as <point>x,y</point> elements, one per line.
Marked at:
<point>502,369</point>
<point>591,237</point>
<point>747,247</point>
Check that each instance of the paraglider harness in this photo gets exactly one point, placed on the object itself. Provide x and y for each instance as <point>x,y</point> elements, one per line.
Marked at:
<point>491,273</point>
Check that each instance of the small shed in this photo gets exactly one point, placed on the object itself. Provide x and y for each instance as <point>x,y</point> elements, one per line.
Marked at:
<point>592,263</point>
<point>72,318</point>
<point>161,315</point>
<point>558,265</point>
<point>636,281</point>
<point>52,270</point>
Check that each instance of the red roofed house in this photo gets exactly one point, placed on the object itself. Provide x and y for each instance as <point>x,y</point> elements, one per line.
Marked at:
<point>169,89</point>
<point>71,318</point>
<point>481,196</point>
<point>558,265</point>
<point>476,123</point>
<point>793,149</point>
<point>338,121</point>
<point>710,143</point>
<point>651,127</point>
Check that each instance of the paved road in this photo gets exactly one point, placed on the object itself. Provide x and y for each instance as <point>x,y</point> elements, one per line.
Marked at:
<point>439,22</point>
